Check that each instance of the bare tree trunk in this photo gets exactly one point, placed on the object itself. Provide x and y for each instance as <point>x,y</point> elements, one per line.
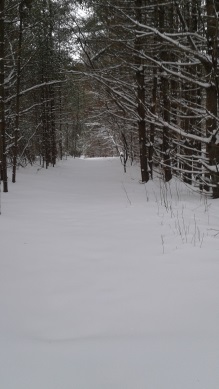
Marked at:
<point>17,114</point>
<point>53,127</point>
<point>152,126</point>
<point>3,157</point>
<point>60,140</point>
<point>212,94</point>
<point>140,79</point>
<point>165,90</point>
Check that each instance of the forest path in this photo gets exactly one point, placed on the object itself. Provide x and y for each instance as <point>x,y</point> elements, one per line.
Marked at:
<point>97,289</point>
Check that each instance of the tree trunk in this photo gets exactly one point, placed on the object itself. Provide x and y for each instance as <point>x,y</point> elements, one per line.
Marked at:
<point>152,126</point>
<point>17,113</point>
<point>212,8</point>
<point>140,80</point>
<point>53,127</point>
<point>3,157</point>
<point>165,90</point>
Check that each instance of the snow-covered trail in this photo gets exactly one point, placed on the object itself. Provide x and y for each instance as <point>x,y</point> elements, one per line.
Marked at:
<point>106,285</point>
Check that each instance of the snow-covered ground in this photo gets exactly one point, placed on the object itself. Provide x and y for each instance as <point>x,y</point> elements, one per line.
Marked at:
<point>106,283</point>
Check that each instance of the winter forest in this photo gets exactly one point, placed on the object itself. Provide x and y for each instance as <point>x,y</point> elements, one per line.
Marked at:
<point>109,172</point>
<point>137,79</point>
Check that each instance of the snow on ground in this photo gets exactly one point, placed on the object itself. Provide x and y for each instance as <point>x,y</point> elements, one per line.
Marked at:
<point>106,283</point>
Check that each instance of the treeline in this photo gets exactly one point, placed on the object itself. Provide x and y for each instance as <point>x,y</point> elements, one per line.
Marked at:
<point>41,107</point>
<point>156,64</point>
<point>145,85</point>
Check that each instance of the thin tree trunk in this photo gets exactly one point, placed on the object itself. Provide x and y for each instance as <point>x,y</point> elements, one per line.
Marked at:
<point>152,126</point>
<point>53,128</point>
<point>60,125</point>
<point>3,157</point>
<point>17,114</point>
<point>140,80</point>
<point>165,90</point>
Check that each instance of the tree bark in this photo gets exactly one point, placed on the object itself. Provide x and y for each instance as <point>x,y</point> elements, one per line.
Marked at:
<point>3,157</point>
<point>152,126</point>
<point>17,113</point>
<point>140,80</point>
<point>165,90</point>
<point>212,94</point>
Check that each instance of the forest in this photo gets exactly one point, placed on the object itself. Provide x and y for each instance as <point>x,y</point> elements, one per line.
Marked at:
<point>134,78</point>
<point>109,168</point>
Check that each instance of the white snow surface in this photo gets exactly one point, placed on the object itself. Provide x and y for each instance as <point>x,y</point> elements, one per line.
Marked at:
<point>106,283</point>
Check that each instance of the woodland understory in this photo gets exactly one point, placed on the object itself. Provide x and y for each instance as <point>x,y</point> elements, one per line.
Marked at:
<point>131,78</point>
